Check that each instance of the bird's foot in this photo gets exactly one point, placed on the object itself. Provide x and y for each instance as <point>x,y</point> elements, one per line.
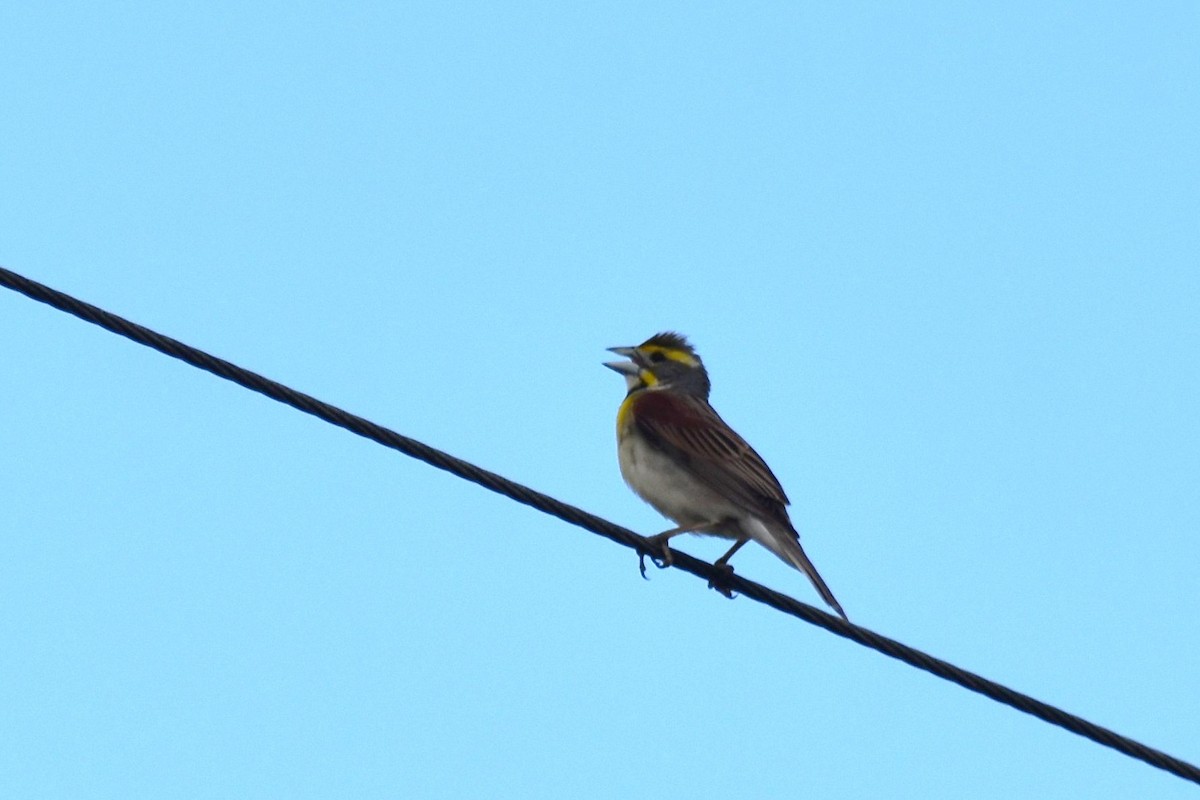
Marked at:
<point>660,554</point>
<point>717,581</point>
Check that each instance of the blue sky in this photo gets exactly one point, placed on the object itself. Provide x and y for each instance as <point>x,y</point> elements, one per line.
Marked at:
<point>940,259</point>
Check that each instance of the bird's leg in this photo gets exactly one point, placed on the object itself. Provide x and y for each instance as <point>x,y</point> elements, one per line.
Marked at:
<point>663,558</point>
<point>723,561</point>
<point>722,564</point>
<point>659,542</point>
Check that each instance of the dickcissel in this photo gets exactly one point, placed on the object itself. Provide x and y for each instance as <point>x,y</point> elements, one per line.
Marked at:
<point>679,456</point>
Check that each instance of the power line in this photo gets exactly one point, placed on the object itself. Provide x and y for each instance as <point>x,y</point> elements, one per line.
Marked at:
<point>575,516</point>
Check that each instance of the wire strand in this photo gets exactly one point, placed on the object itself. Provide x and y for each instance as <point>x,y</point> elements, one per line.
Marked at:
<point>576,516</point>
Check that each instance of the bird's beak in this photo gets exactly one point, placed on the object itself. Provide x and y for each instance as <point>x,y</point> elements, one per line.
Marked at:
<point>623,367</point>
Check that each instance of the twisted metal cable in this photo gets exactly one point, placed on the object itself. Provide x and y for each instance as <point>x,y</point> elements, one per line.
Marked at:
<point>722,579</point>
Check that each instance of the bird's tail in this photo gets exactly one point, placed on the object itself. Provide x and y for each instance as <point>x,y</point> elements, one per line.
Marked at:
<point>786,545</point>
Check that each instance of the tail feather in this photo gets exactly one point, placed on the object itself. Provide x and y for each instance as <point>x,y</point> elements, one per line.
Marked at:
<point>787,547</point>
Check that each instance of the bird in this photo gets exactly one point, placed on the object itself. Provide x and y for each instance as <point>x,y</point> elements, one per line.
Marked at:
<point>677,454</point>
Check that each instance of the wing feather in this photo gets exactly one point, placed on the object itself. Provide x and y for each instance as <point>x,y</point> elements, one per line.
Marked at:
<point>695,434</point>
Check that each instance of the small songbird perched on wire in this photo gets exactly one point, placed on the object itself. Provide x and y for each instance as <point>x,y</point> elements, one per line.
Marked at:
<point>679,456</point>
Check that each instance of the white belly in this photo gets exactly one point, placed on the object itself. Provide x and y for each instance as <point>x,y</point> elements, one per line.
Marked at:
<point>672,491</point>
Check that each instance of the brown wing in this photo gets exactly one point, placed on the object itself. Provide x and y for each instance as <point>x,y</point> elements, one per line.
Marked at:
<point>689,429</point>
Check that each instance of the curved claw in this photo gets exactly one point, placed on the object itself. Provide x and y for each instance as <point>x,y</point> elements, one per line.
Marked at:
<point>714,584</point>
<point>662,560</point>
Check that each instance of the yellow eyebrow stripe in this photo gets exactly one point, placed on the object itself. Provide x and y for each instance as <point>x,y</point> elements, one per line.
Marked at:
<point>673,353</point>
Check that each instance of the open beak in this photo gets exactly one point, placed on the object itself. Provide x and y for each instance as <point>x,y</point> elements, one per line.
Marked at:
<point>623,367</point>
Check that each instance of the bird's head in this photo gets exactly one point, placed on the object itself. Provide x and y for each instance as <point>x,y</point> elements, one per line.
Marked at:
<point>664,361</point>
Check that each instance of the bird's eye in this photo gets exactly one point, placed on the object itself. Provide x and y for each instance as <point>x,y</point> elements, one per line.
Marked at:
<point>657,357</point>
